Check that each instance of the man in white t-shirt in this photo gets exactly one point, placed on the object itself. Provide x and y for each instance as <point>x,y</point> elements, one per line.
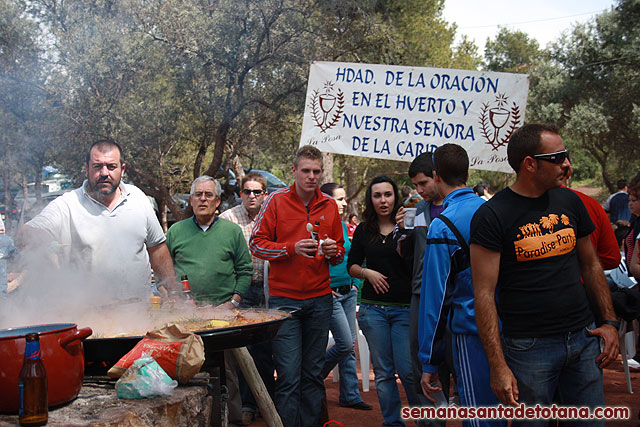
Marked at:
<point>107,230</point>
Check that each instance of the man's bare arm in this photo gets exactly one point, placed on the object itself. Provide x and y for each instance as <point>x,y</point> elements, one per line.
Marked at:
<point>599,295</point>
<point>28,237</point>
<point>485,265</point>
<point>162,265</point>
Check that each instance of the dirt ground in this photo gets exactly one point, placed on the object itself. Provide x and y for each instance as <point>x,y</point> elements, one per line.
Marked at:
<point>614,385</point>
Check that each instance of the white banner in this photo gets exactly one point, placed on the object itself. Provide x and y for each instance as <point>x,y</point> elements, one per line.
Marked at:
<point>395,113</point>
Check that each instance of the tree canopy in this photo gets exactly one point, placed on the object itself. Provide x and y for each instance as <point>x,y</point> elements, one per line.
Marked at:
<point>591,89</point>
<point>200,86</point>
<point>192,87</point>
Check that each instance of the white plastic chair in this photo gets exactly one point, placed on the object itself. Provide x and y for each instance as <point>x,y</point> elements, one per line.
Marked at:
<point>362,354</point>
<point>336,372</point>
<point>628,335</point>
<point>365,358</point>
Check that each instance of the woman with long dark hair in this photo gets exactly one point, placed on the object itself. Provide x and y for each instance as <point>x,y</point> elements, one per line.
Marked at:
<point>384,307</point>
<point>343,318</point>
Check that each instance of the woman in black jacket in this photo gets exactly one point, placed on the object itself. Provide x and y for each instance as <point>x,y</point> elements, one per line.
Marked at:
<point>384,308</point>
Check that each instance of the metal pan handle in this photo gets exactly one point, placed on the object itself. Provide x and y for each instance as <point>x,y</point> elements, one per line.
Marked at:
<point>221,333</point>
<point>290,310</point>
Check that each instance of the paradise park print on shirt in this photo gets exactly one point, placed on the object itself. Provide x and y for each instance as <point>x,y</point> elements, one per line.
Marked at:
<point>539,240</point>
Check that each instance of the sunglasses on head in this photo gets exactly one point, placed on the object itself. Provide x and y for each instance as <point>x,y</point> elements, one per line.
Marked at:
<point>246,192</point>
<point>558,157</point>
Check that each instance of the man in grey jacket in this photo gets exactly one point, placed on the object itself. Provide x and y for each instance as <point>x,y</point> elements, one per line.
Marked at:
<point>421,174</point>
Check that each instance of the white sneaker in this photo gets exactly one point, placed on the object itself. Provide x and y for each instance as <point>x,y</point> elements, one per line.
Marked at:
<point>454,400</point>
<point>633,364</point>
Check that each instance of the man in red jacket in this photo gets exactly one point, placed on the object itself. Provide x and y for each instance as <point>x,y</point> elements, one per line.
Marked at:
<point>298,230</point>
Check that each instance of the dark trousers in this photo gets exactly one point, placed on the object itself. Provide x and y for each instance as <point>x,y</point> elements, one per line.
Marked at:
<point>443,371</point>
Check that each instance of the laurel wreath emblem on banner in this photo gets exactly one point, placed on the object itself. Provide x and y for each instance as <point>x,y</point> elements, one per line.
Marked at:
<point>326,106</point>
<point>492,120</point>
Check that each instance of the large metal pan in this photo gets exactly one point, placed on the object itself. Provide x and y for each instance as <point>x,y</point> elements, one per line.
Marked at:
<point>102,353</point>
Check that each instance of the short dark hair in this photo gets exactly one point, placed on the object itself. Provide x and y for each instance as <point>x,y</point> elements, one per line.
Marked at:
<point>369,214</point>
<point>479,188</point>
<point>422,163</point>
<point>330,187</point>
<point>307,152</point>
<point>622,183</point>
<point>103,146</point>
<point>451,163</point>
<point>254,176</point>
<point>526,142</point>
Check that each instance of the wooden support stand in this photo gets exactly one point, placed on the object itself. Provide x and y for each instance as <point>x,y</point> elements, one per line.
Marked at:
<point>267,408</point>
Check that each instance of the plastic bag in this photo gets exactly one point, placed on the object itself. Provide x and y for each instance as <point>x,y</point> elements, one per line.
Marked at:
<point>179,352</point>
<point>144,378</point>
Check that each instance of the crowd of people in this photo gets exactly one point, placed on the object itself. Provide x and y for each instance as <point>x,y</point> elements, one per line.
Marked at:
<point>503,294</point>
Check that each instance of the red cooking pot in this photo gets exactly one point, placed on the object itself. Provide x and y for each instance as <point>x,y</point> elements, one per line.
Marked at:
<point>62,355</point>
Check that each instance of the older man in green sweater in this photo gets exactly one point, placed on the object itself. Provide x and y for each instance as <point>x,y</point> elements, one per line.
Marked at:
<point>214,254</point>
<point>210,250</point>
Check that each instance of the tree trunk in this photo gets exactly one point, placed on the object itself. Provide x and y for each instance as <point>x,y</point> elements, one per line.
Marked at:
<point>601,158</point>
<point>197,164</point>
<point>353,188</point>
<point>218,149</point>
<point>37,190</point>
<point>162,212</point>
<point>8,200</point>
<point>327,162</point>
<point>25,194</point>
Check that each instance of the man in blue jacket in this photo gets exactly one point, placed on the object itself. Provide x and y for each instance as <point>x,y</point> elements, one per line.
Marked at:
<point>446,299</point>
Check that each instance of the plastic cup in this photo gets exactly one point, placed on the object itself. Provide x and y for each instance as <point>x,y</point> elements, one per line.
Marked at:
<point>409,218</point>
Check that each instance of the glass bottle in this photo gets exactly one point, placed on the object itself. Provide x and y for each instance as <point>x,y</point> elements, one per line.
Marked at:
<point>32,386</point>
<point>186,289</point>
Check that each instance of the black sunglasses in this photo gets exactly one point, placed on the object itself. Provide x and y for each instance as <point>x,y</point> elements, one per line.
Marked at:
<point>558,157</point>
<point>246,192</point>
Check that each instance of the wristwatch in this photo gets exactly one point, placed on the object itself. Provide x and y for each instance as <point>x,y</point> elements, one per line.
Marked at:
<point>235,303</point>
<point>613,323</point>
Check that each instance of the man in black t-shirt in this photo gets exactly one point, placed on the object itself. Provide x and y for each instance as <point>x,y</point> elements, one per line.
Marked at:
<point>531,241</point>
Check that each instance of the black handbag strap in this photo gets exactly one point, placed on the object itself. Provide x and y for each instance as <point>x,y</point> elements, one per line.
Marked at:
<point>463,243</point>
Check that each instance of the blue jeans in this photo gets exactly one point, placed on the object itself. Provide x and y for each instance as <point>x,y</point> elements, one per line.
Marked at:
<point>566,361</point>
<point>298,353</point>
<point>387,331</point>
<point>262,354</point>
<point>343,329</point>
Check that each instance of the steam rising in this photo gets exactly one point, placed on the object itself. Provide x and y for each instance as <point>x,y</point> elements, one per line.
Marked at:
<point>54,292</point>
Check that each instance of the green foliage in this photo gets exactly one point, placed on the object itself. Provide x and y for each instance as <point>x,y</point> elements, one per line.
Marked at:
<point>511,51</point>
<point>595,88</point>
<point>27,109</point>
<point>191,87</point>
